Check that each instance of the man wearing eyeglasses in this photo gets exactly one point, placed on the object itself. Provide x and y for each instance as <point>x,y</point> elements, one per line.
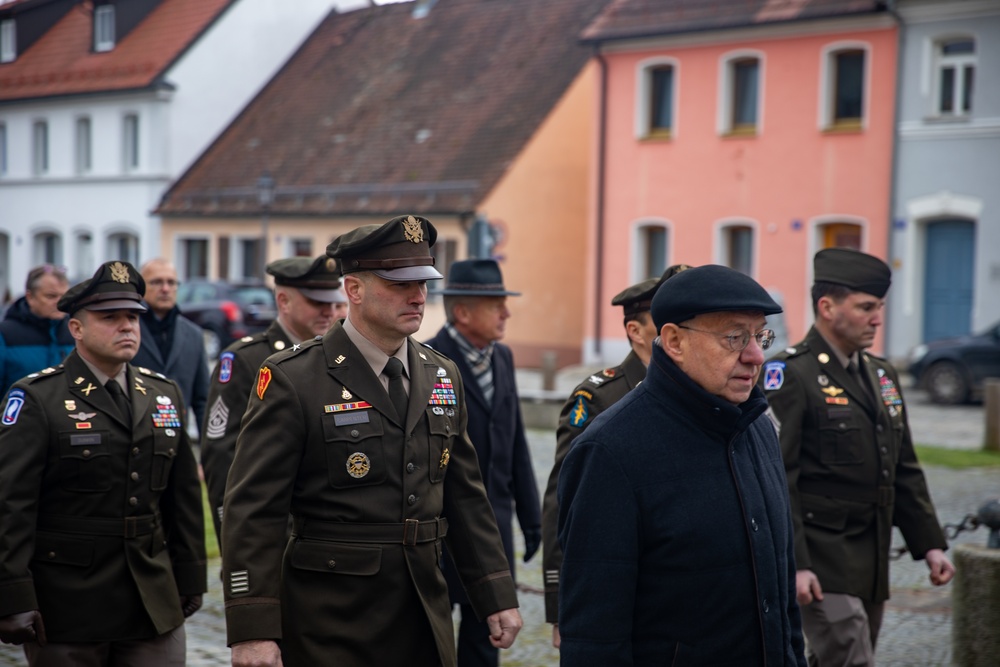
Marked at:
<point>852,472</point>
<point>673,509</point>
<point>171,343</point>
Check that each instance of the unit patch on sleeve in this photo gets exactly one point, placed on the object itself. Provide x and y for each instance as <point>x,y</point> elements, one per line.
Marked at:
<point>263,379</point>
<point>578,415</point>
<point>15,401</point>
<point>226,367</point>
<point>774,375</point>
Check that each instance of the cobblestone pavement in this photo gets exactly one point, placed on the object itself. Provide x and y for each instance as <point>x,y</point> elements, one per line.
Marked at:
<point>917,628</point>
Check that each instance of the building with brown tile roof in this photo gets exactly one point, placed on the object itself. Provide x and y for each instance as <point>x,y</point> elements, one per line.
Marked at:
<point>475,109</point>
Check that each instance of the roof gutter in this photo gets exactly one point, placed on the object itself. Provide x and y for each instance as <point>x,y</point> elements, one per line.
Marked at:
<point>602,141</point>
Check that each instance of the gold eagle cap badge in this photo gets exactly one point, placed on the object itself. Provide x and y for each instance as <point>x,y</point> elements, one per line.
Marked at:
<point>412,230</point>
<point>119,272</point>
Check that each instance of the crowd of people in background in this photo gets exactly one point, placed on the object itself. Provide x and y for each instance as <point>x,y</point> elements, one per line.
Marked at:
<point>706,505</point>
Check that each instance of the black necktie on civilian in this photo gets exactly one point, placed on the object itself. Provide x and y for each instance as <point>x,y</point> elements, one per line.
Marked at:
<point>120,400</point>
<point>397,393</point>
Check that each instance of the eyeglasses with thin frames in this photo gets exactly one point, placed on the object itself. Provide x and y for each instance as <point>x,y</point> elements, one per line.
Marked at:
<point>739,339</point>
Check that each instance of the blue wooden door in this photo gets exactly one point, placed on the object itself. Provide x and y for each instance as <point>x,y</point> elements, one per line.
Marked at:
<point>948,270</point>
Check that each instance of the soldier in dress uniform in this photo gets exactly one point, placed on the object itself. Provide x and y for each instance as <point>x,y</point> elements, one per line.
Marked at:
<point>592,397</point>
<point>309,299</point>
<point>361,436</point>
<point>852,472</point>
<point>103,552</point>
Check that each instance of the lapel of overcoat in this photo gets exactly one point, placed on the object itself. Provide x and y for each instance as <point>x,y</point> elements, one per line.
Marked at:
<point>142,395</point>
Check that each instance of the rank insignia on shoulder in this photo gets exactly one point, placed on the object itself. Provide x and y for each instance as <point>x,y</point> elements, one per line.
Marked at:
<point>445,458</point>
<point>596,381</point>
<point>579,414</point>
<point>263,379</point>
<point>226,367</point>
<point>15,401</point>
<point>358,465</point>
<point>832,391</point>
<point>774,375</point>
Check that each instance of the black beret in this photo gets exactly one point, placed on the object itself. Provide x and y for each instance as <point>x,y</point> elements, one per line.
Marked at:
<point>115,286</point>
<point>857,270</point>
<point>318,279</point>
<point>708,289</point>
<point>399,250</point>
<point>637,298</point>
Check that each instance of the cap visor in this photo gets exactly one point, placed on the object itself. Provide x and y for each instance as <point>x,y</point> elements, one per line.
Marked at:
<point>324,295</point>
<point>409,274</point>
<point>116,304</point>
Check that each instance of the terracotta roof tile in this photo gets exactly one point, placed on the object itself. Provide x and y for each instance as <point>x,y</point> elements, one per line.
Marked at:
<point>61,62</point>
<point>380,112</point>
<point>623,19</point>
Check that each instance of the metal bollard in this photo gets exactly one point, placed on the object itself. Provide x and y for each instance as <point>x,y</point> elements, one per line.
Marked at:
<point>548,370</point>
<point>991,413</point>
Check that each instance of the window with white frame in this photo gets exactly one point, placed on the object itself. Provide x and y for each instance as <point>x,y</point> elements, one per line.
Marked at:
<point>846,88</point>
<point>84,254</point>
<point>8,41</point>
<point>3,149</point>
<point>83,145</point>
<point>130,142</point>
<point>194,258</point>
<point>301,248</point>
<point>250,259</point>
<point>40,148</point>
<point>737,247</point>
<point>47,249</point>
<point>657,100</point>
<point>104,28</point>
<point>740,95</point>
<point>956,72</point>
<point>652,245</point>
<point>124,246</point>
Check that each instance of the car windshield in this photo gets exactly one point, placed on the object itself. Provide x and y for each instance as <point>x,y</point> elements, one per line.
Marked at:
<point>253,296</point>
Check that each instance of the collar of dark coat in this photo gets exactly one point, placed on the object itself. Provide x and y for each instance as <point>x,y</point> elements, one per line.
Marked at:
<point>713,414</point>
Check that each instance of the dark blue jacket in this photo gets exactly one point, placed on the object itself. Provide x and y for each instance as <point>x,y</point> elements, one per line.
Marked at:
<point>29,343</point>
<point>497,432</point>
<point>676,534</point>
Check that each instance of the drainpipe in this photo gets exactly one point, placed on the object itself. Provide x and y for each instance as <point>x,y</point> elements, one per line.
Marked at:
<point>894,169</point>
<point>601,158</point>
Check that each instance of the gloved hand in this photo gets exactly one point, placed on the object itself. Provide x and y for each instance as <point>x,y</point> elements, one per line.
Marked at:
<point>532,540</point>
<point>190,604</point>
<point>22,627</point>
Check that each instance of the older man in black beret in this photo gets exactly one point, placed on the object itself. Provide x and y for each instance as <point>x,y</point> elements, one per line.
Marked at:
<point>673,508</point>
<point>361,436</point>
<point>852,472</point>
<point>103,552</point>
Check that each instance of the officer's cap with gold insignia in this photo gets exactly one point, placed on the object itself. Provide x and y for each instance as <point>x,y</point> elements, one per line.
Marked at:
<point>398,251</point>
<point>318,279</point>
<point>859,271</point>
<point>637,298</point>
<point>115,286</point>
<point>708,289</point>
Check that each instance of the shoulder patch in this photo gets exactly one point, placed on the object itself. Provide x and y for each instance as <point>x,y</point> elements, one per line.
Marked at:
<point>263,379</point>
<point>580,413</point>
<point>15,401</point>
<point>774,375</point>
<point>226,367</point>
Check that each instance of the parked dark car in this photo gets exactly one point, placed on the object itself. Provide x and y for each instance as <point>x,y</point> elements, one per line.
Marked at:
<point>952,370</point>
<point>226,311</point>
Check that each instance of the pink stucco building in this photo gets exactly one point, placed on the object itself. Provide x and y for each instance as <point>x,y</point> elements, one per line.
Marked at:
<point>750,134</point>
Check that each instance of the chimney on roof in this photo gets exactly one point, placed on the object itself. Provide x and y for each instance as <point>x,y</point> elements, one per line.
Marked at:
<point>421,8</point>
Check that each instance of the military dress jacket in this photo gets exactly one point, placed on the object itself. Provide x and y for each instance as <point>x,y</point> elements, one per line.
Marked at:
<point>496,430</point>
<point>102,525</point>
<point>851,468</point>
<point>229,390</point>
<point>591,397</point>
<point>359,581</point>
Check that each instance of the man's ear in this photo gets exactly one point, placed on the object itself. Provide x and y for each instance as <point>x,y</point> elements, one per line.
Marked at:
<point>671,341</point>
<point>824,308</point>
<point>634,332</point>
<point>354,288</point>
<point>75,328</point>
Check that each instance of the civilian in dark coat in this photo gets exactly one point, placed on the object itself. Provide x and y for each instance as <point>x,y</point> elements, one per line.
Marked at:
<point>171,343</point>
<point>673,508</point>
<point>475,303</point>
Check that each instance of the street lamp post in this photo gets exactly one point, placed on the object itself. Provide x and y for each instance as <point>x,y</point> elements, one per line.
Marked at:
<point>265,195</point>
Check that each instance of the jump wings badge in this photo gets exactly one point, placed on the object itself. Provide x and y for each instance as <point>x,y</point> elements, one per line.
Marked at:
<point>412,230</point>
<point>358,465</point>
<point>119,272</point>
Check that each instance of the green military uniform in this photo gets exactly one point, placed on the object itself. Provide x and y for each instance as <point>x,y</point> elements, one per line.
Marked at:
<point>235,374</point>
<point>590,398</point>
<point>101,518</point>
<point>231,386</point>
<point>852,472</point>
<point>359,583</point>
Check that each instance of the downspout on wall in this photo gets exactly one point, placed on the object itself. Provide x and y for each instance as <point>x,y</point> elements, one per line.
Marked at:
<point>599,236</point>
<point>894,169</point>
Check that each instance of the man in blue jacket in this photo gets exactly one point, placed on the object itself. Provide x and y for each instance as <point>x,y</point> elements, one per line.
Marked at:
<point>475,301</point>
<point>673,508</point>
<point>33,334</point>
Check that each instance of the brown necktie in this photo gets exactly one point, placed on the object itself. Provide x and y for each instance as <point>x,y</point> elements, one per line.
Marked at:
<point>397,393</point>
<point>120,400</point>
